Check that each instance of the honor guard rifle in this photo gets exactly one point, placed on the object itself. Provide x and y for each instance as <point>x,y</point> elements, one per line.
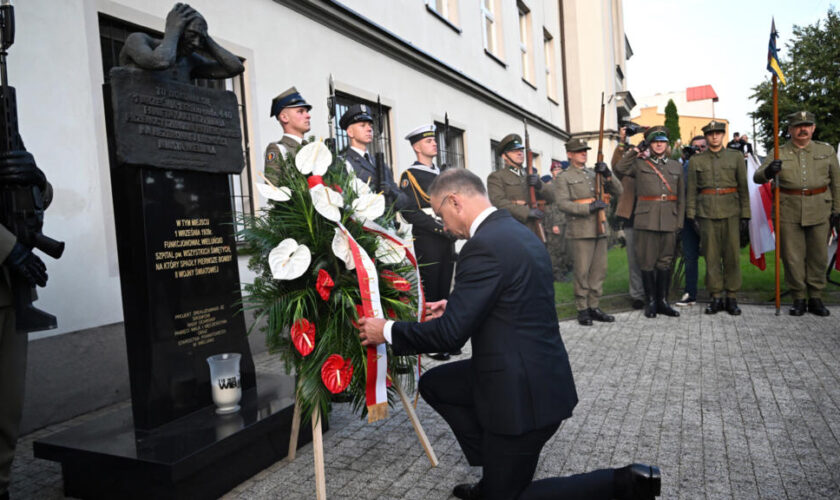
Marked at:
<point>23,188</point>
<point>331,118</point>
<point>529,155</point>
<point>599,179</point>
<point>379,180</point>
<point>445,165</point>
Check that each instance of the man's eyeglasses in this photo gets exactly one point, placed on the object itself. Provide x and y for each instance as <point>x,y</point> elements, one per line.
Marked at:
<point>437,212</point>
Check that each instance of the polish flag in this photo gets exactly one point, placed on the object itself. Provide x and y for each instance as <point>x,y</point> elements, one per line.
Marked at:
<point>762,235</point>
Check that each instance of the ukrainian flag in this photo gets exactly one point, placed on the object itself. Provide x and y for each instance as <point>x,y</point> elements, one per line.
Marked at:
<point>773,55</point>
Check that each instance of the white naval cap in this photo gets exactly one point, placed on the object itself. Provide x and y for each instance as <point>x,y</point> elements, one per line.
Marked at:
<point>421,132</point>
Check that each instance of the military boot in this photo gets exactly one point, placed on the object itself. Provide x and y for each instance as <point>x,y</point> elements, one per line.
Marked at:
<point>815,306</point>
<point>584,318</point>
<point>798,308</point>
<point>714,306</point>
<point>731,306</point>
<point>663,284</point>
<point>598,315</point>
<point>649,284</point>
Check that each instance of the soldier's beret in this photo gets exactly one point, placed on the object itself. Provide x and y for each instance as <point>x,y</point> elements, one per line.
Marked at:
<point>800,118</point>
<point>575,145</point>
<point>421,132</point>
<point>354,114</point>
<point>714,126</point>
<point>511,142</point>
<point>657,133</point>
<point>291,98</point>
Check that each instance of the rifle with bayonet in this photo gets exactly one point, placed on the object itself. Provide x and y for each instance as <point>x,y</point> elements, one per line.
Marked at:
<point>599,179</point>
<point>379,176</point>
<point>532,192</point>
<point>331,118</point>
<point>445,155</point>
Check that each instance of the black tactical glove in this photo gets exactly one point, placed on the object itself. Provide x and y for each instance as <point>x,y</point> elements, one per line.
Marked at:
<point>834,220</point>
<point>772,169</point>
<point>534,181</point>
<point>596,205</point>
<point>601,168</point>
<point>27,265</point>
<point>536,213</point>
<point>695,225</point>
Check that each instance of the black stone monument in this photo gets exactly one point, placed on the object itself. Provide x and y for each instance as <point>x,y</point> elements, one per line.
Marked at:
<point>172,147</point>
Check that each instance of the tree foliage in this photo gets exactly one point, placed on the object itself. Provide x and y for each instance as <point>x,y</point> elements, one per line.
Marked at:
<point>672,122</point>
<point>811,65</point>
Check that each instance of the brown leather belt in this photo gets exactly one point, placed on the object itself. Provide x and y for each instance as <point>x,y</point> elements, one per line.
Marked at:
<point>718,190</point>
<point>662,197</point>
<point>804,192</point>
<point>590,200</point>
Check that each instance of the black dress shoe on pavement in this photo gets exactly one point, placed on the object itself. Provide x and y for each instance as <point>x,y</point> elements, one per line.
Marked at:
<point>456,352</point>
<point>815,306</point>
<point>598,315</point>
<point>584,318</point>
<point>638,304</point>
<point>637,482</point>
<point>441,356</point>
<point>798,308</point>
<point>714,306</point>
<point>468,491</point>
<point>732,306</point>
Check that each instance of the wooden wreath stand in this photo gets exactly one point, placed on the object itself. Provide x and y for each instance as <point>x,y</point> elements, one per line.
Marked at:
<point>318,441</point>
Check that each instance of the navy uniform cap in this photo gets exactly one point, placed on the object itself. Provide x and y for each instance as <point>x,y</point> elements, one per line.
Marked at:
<point>420,133</point>
<point>354,114</point>
<point>291,98</point>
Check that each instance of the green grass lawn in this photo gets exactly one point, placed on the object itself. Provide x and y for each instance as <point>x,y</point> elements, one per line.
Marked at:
<point>758,286</point>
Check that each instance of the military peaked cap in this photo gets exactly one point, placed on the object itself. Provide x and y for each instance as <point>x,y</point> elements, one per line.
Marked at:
<point>657,133</point>
<point>575,145</point>
<point>511,142</point>
<point>421,132</point>
<point>354,114</point>
<point>801,118</point>
<point>714,126</point>
<point>288,99</point>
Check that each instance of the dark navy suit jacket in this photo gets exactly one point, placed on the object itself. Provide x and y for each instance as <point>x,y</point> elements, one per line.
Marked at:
<point>503,301</point>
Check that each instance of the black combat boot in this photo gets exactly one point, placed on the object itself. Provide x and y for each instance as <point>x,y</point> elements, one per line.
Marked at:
<point>649,284</point>
<point>663,284</point>
<point>815,306</point>
<point>714,306</point>
<point>731,306</point>
<point>598,315</point>
<point>798,308</point>
<point>584,318</point>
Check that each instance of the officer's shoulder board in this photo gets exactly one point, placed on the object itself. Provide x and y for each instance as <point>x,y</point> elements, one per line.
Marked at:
<point>825,145</point>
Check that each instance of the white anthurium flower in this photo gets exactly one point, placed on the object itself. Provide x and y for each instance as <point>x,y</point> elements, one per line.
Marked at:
<point>327,202</point>
<point>274,193</point>
<point>288,260</point>
<point>314,158</point>
<point>369,206</point>
<point>359,186</point>
<point>389,252</point>
<point>341,249</point>
<point>404,229</point>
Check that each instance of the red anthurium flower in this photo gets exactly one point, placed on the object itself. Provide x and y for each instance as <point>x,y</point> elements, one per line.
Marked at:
<point>336,373</point>
<point>360,311</point>
<point>314,180</point>
<point>324,284</point>
<point>392,314</point>
<point>405,299</point>
<point>396,281</point>
<point>338,188</point>
<point>303,336</point>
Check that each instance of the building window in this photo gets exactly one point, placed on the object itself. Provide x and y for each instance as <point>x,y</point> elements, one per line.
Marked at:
<point>550,67</point>
<point>450,146</point>
<point>112,35</point>
<point>491,31</point>
<point>526,43</point>
<point>446,10</point>
<point>498,163</point>
<point>344,101</point>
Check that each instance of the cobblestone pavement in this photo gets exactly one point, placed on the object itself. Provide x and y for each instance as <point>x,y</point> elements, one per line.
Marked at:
<point>728,407</point>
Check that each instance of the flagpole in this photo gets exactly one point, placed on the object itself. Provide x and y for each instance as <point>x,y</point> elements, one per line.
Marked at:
<point>776,190</point>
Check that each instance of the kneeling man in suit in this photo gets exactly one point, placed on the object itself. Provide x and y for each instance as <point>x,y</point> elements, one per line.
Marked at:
<point>505,402</point>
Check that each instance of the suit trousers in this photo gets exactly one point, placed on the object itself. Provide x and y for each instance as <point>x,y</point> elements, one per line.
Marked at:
<point>805,256</point>
<point>436,266</point>
<point>590,269</point>
<point>508,461</point>
<point>691,254</point>
<point>721,242</point>
<point>13,347</point>
<point>637,289</point>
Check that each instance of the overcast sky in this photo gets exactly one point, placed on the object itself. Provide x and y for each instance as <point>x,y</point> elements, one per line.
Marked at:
<point>687,43</point>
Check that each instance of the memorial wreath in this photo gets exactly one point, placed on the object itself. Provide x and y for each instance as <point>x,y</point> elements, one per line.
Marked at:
<point>311,250</point>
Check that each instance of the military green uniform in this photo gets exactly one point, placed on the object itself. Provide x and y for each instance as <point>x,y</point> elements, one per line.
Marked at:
<point>558,245</point>
<point>809,185</point>
<point>13,347</point>
<point>575,191</point>
<point>276,153</point>
<point>718,198</point>
<point>508,189</point>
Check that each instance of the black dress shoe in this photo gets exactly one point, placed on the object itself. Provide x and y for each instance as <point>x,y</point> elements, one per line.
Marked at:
<point>815,306</point>
<point>798,308</point>
<point>598,315</point>
<point>456,352</point>
<point>584,318</point>
<point>441,356</point>
<point>638,303</point>
<point>468,491</point>
<point>732,306</point>
<point>714,306</point>
<point>637,482</point>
